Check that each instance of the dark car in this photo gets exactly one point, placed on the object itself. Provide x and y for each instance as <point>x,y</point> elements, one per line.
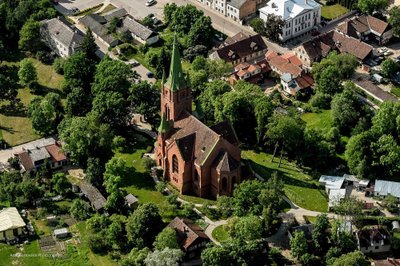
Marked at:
<point>150,74</point>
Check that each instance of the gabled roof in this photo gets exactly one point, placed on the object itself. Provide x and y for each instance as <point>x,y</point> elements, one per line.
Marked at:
<point>241,48</point>
<point>363,24</point>
<point>187,232</point>
<point>332,182</point>
<point>226,163</point>
<point>10,219</point>
<point>94,22</point>
<point>226,130</point>
<point>56,153</point>
<point>38,154</point>
<point>137,29</point>
<point>25,160</point>
<point>235,38</point>
<point>93,194</point>
<point>236,3</point>
<point>305,81</point>
<point>115,13</point>
<point>384,188</point>
<point>287,63</point>
<point>63,33</point>
<point>288,9</point>
<point>186,146</point>
<point>130,199</point>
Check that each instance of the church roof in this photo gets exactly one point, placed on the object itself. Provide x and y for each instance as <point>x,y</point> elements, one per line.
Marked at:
<point>189,131</point>
<point>176,79</point>
<point>226,163</point>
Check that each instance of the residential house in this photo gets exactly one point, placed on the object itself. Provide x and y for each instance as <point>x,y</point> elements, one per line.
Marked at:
<point>190,236</point>
<point>61,37</point>
<point>195,158</point>
<point>375,239</point>
<point>131,201</point>
<point>290,69</point>
<point>139,32</point>
<point>253,73</point>
<point>319,47</point>
<point>246,49</point>
<point>366,28</point>
<point>11,224</point>
<point>384,188</point>
<point>97,200</point>
<point>300,16</point>
<point>34,155</point>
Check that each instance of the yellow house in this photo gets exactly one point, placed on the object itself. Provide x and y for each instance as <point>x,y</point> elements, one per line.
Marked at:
<point>11,224</point>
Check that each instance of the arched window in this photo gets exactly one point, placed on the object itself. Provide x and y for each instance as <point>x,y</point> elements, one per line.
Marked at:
<point>175,164</point>
<point>224,184</point>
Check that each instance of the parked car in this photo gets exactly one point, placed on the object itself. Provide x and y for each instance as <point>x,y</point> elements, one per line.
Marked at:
<point>382,50</point>
<point>134,63</point>
<point>150,74</point>
<point>150,2</point>
<point>387,53</point>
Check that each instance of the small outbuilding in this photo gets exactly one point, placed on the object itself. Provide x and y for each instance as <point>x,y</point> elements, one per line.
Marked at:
<point>131,201</point>
<point>61,233</point>
<point>11,224</point>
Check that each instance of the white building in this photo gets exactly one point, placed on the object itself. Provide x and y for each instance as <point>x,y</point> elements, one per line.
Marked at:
<point>300,16</point>
<point>11,224</point>
<point>59,36</point>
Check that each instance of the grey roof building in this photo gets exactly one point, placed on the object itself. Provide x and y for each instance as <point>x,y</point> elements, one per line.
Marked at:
<point>61,37</point>
<point>384,188</point>
<point>138,31</point>
<point>96,199</point>
<point>118,13</point>
<point>100,30</point>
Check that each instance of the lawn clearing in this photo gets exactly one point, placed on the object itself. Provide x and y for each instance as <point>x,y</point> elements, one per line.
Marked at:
<point>396,91</point>
<point>333,11</point>
<point>16,127</point>
<point>220,233</point>
<point>320,121</point>
<point>299,186</point>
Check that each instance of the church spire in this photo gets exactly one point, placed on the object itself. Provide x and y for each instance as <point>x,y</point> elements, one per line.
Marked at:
<point>176,79</point>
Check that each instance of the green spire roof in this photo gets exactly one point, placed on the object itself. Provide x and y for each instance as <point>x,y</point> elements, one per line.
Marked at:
<point>164,125</point>
<point>176,79</point>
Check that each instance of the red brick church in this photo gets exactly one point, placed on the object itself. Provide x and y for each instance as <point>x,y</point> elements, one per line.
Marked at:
<point>196,159</point>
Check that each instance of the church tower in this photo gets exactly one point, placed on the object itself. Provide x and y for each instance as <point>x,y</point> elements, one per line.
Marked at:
<point>176,95</point>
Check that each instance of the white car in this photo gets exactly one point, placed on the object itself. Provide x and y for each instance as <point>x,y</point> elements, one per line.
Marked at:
<point>150,2</point>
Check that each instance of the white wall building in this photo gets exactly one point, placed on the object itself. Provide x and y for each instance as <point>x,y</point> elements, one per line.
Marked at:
<point>300,16</point>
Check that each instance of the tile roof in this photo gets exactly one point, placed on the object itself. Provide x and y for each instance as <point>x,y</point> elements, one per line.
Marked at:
<point>226,163</point>
<point>375,90</point>
<point>285,63</point>
<point>226,130</point>
<point>38,154</point>
<point>130,199</point>
<point>241,48</point>
<point>92,21</point>
<point>363,24</point>
<point>187,232</point>
<point>56,153</point>
<point>368,236</point>
<point>235,38</point>
<point>10,219</point>
<point>137,29</point>
<point>25,160</point>
<point>62,32</point>
<point>305,81</point>
<point>115,13</point>
<point>323,44</point>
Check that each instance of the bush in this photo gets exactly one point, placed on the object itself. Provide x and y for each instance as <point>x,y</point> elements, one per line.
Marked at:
<point>58,65</point>
<point>44,57</point>
<point>161,186</point>
<point>13,161</point>
<point>321,100</point>
<point>148,163</point>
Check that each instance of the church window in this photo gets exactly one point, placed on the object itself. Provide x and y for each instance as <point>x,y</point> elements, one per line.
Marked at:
<point>224,184</point>
<point>175,164</point>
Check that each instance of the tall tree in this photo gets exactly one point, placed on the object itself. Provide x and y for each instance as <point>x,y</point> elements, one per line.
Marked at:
<point>144,99</point>
<point>355,258</point>
<point>8,83</point>
<point>89,46</point>
<point>167,238</point>
<point>320,233</point>
<point>258,25</point>
<point>273,27</point>
<point>27,73</point>
<point>29,37</point>
<point>79,72</point>
<point>389,68</point>
<point>167,256</point>
<point>394,19</point>
<point>370,6</point>
<point>201,32</point>
<point>298,244</point>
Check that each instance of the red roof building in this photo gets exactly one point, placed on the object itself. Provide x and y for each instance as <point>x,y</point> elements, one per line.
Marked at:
<point>253,73</point>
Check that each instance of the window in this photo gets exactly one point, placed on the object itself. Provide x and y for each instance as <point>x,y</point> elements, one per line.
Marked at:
<point>224,184</point>
<point>175,164</point>
<point>233,181</point>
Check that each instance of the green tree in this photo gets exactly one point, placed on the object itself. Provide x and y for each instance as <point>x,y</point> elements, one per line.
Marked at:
<point>143,225</point>
<point>136,257</point>
<point>29,37</point>
<point>78,72</point>
<point>8,83</point>
<point>114,172</point>
<point>94,171</point>
<point>320,233</point>
<point>79,209</point>
<point>273,27</point>
<point>245,198</point>
<point>115,232</point>
<point>166,239</point>
<point>394,19</point>
<point>183,18</point>
<point>89,46</point>
<point>60,183</point>
<point>199,63</point>
<point>355,258</point>
<point>258,25</point>
<point>78,103</point>
<point>246,228</point>
<point>45,113</point>
<point>201,32</point>
<point>27,73</point>
<point>370,6</point>
<point>210,96</point>
<point>144,99</point>
<point>198,80</point>
<point>263,111</point>
<point>298,244</point>
<point>389,68</point>
<point>164,257</point>
<point>329,81</point>
<point>169,10</point>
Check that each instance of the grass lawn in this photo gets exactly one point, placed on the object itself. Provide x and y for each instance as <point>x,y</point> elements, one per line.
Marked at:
<point>320,121</point>
<point>333,11</point>
<point>396,91</point>
<point>16,127</point>
<point>299,187</point>
<point>220,233</point>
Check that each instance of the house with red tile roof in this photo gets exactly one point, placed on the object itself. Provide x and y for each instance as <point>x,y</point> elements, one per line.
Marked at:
<point>190,237</point>
<point>31,158</point>
<point>253,73</point>
<point>291,85</point>
<point>367,27</point>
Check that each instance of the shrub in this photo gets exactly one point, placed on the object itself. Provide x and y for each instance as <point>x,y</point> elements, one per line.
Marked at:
<point>58,65</point>
<point>321,100</point>
<point>44,57</point>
